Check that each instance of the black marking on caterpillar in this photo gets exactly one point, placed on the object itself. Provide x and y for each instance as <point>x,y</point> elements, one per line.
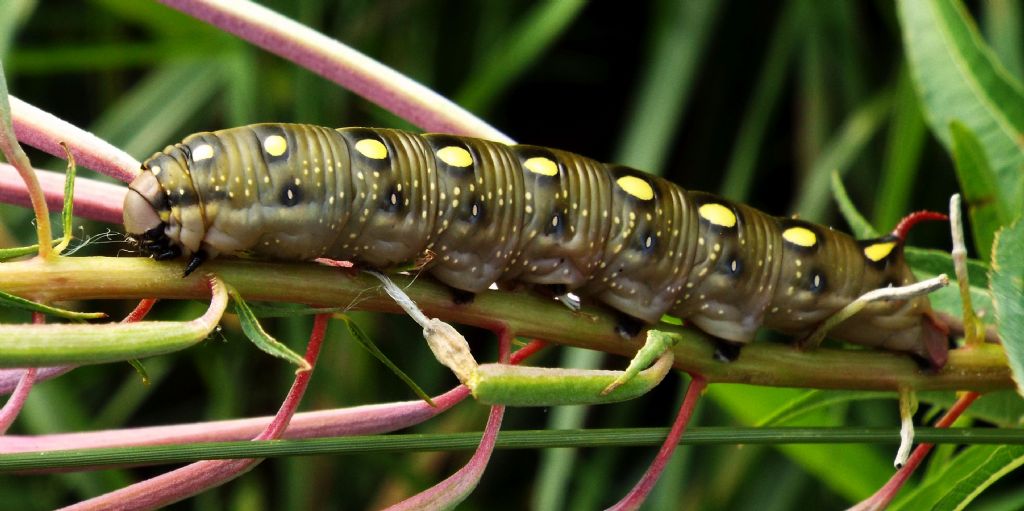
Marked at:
<point>519,215</point>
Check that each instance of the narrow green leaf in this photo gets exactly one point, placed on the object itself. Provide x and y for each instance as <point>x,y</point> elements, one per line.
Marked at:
<point>140,369</point>
<point>1007,283</point>
<point>264,341</point>
<point>9,300</point>
<point>144,119</point>
<point>858,224</point>
<point>67,212</point>
<point>1004,408</point>
<point>53,344</point>
<point>11,253</point>
<point>811,400</point>
<point>964,478</point>
<point>928,263</point>
<point>846,144</point>
<point>739,175</point>
<point>750,405</point>
<point>934,262</point>
<point>539,29</point>
<point>985,205</point>
<point>958,77</point>
<point>903,149</point>
<point>284,310</point>
<point>1003,25</point>
<point>679,37</point>
<point>365,341</point>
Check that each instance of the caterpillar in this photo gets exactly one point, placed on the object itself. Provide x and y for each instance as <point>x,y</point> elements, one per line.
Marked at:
<point>520,214</point>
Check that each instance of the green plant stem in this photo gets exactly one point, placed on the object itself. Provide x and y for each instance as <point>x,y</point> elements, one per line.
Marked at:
<point>982,368</point>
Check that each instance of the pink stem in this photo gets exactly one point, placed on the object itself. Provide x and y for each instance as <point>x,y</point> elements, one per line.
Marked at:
<point>10,378</point>
<point>456,487</point>
<point>639,493</point>
<point>339,63</point>
<point>881,499</point>
<point>45,131</point>
<point>15,403</point>
<point>187,481</point>
<point>94,200</point>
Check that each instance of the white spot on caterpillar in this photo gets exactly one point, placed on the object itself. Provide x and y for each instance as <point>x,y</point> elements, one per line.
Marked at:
<point>203,152</point>
<point>155,169</point>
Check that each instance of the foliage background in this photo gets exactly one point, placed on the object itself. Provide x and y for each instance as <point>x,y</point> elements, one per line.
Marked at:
<point>749,99</point>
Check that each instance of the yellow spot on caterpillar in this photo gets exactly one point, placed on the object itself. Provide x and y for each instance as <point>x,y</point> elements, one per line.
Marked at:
<point>636,187</point>
<point>800,236</point>
<point>541,165</point>
<point>275,145</point>
<point>203,152</point>
<point>879,251</point>
<point>455,156</point>
<point>717,214</point>
<point>372,148</point>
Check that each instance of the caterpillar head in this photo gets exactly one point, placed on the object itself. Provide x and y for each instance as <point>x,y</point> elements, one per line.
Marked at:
<point>142,220</point>
<point>162,210</point>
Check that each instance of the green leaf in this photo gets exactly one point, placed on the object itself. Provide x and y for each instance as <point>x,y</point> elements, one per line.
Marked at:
<point>934,262</point>
<point>958,78</point>
<point>964,477</point>
<point>545,23</point>
<point>985,205</point>
<point>143,118</point>
<point>1007,283</point>
<point>9,300</point>
<point>370,346</point>
<point>843,148</point>
<point>1004,408</point>
<point>679,36</point>
<point>264,341</point>
<point>903,150</point>
<point>812,400</point>
<point>739,175</point>
<point>928,263</point>
<point>858,224</point>
<point>53,344</point>
<point>751,404</point>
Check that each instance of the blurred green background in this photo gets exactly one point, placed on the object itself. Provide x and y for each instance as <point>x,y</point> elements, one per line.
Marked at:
<point>758,101</point>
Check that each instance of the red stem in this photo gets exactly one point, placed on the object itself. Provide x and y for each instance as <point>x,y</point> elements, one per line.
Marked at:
<point>881,499</point>
<point>527,351</point>
<point>140,311</point>
<point>639,493</point>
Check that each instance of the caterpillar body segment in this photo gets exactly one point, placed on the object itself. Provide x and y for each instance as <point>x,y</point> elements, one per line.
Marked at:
<point>514,214</point>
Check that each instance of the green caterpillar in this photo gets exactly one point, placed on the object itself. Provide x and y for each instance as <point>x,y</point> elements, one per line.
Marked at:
<point>519,214</point>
